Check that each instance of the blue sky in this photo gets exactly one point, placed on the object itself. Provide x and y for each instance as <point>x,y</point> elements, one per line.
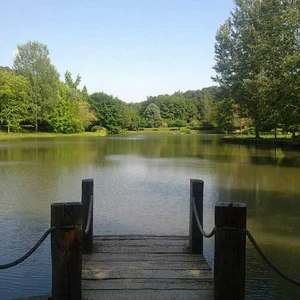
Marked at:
<point>131,49</point>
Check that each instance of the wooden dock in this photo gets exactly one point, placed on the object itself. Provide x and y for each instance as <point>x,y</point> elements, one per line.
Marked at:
<point>138,267</point>
<point>145,267</point>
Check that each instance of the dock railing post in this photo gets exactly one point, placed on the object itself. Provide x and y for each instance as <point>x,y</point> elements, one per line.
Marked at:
<point>195,236</point>
<point>87,188</point>
<point>66,245</point>
<point>230,251</point>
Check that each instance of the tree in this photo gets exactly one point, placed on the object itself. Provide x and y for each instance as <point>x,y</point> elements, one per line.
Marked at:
<point>85,94</point>
<point>73,113</point>
<point>255,51</point>
<point>111,112</point>
<point>13,100</point>
<point>33,62</point>
<point>152,115</point>
<point>225,114</point>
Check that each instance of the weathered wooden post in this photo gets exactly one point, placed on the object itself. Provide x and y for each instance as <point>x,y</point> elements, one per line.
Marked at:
<point>230,251</point>
<point>66,246</point>
<point>87,188</point>
<point>195,236</point>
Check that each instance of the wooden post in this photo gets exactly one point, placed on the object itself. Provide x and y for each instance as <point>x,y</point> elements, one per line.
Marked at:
<point>195,236</point>
<point>230,251</point>
<point>87,188</point>
<point>66,245</point>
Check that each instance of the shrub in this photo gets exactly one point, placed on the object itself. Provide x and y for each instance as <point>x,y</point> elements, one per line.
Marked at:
<point>186,130</point>
<point>99,129</point>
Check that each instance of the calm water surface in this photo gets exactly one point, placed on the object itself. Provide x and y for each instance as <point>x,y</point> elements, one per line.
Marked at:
<point>142,187</point>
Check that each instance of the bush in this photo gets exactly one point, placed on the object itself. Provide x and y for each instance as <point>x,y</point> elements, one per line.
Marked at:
<point>99,129</point>
<point>186,130</point>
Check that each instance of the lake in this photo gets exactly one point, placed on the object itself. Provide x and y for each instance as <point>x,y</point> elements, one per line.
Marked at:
<point>142,187</point>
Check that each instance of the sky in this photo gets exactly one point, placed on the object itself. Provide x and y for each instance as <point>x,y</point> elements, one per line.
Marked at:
<point>130,49</point>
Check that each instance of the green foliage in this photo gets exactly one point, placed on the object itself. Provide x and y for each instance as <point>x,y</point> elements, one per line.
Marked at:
<point>110,112</point>
<point>14,102</point>
<point>186,131</point>
<point>72,114</point>
<point>32,61</point>
<point>257,59</point>
<point>152,116</point>
<point>101,130</point>
<point>225,114</point>
<point>177,123</point>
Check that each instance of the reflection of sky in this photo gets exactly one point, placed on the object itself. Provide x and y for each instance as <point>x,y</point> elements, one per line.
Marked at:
<point>142,187</point>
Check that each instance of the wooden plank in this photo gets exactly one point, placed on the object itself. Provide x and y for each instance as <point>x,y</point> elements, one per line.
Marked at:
<point>157,284</point>
<point>97,274</point>
<point>140,243</point>
<point>167,257</point>
<point>140,249</point>
<point>148,294</point>
<point>141,237</point>
<point>146,265</point>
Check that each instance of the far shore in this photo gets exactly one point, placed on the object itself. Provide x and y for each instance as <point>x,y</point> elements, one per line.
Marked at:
<point>10,136</point>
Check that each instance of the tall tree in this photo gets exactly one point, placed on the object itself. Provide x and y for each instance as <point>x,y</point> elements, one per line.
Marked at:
<point>255,51</point>
<point>33,62</point>
<point>152,116</point>
<point>13,100</point>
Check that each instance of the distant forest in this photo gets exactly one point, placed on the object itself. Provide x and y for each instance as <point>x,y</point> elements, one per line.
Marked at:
<point>257,55</point>
<point>33,98</point>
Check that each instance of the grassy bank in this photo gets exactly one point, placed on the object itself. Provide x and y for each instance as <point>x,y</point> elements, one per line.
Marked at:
<point>162,130</point>
<point>10,136</point>
<point>170,130</point>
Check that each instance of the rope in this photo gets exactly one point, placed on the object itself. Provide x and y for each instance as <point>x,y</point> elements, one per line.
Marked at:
<point>89,220</point>
<point>267,260</point>
<point>206,235</point>
<point>36,246</point>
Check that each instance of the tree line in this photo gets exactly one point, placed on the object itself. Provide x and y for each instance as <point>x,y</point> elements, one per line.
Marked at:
<point>34,98</point>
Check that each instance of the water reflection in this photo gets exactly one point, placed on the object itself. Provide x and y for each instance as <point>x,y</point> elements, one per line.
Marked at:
<point>142,187</point>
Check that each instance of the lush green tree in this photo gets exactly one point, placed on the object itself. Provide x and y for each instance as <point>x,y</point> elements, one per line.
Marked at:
<point>73,113</point>
<point>63,117</point>
<point>225,114</point>
<point>256,50</point>
<point>7,69</point>
<point>111,112</point>
<point>152,116</point>
<point>85,94</point>
<point>14,102</point>
<point>33,62</point>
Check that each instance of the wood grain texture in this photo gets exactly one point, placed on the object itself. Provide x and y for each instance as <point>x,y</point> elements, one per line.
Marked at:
<point>145,267</point>
<point>148,294</point>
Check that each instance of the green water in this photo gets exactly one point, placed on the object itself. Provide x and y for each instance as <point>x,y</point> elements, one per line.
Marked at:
<point>142,187</point>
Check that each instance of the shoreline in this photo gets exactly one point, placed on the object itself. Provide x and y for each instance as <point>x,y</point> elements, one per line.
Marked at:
<point>279,142</point>
<point>12,136</point>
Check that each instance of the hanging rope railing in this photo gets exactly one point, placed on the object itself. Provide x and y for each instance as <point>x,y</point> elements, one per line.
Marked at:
<point>206,235</point>
<point>268,261</point>
<point>36,246</point>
